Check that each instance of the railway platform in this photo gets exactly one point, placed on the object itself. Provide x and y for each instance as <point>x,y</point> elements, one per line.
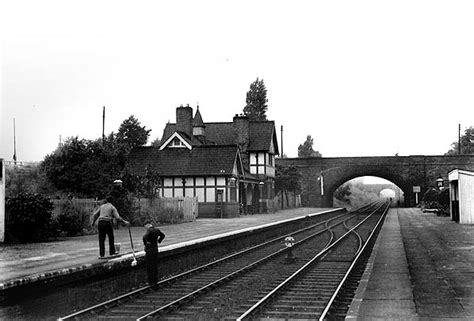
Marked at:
<point>26,263</point>
<point>420,269</point>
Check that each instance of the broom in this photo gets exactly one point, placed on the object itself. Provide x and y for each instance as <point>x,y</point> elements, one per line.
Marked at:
<point>134,262</point>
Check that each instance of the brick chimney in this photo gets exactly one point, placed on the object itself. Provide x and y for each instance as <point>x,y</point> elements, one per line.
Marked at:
<point>184,120</point>
<point>242,136</point>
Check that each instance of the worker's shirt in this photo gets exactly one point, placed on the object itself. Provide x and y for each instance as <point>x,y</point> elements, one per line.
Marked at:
<point>107,212</point>
<point>152,237</point>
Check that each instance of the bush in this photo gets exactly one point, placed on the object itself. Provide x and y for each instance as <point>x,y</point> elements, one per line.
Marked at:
<point>29,218</point>
<point>72,221</point>
<point>437,200</point>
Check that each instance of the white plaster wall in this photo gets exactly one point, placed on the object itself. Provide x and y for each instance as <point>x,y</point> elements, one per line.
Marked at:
<point>466,198</point>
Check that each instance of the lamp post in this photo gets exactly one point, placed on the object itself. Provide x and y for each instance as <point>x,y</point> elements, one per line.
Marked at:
<point>260,189</point>
<point>440,183</point>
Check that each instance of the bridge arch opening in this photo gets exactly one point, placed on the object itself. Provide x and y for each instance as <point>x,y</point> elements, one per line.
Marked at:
<point>358,191</point>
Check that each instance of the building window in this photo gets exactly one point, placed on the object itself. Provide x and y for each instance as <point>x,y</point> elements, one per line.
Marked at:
<point>176,142</point>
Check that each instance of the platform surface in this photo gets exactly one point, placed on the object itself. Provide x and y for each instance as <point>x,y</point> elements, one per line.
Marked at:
<point>27,261</point>
<point>422,268</point>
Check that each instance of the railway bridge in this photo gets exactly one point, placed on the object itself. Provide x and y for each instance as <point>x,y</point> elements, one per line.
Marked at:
<point>322,176</point>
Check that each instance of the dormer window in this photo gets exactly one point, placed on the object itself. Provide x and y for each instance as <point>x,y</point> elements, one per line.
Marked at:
<point>176,142</point>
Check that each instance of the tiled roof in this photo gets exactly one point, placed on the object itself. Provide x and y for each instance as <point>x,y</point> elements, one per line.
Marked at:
<point>201,160</point>
<point>260,134</point>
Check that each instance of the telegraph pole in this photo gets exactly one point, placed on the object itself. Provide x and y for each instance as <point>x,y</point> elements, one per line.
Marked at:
<point>103,125</point>
<point>14,142</point>
<point>281,141</point>
<point>459,139</point>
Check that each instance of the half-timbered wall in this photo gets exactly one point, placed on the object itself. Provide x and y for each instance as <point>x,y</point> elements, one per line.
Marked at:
<point>204,188</point>
<point>262,164</point>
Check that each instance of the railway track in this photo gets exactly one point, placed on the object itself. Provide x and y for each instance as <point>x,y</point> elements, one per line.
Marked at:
<point>263,281</point>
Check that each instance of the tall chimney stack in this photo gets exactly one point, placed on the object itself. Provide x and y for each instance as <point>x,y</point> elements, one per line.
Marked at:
<point>184,120</point>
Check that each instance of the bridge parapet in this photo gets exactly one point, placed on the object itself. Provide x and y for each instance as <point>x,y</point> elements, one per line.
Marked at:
<point>322,176</point>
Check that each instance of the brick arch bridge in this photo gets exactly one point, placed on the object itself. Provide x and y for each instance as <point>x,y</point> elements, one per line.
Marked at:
<point>322,176</point>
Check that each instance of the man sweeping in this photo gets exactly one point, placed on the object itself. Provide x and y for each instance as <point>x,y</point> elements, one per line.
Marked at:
<point>105,214</point>
<point>152,237</point>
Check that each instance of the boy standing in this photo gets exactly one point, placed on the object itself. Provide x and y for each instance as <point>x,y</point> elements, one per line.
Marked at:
<point>152,237</point>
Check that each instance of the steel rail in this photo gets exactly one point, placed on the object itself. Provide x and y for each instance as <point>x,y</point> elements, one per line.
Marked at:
<point>234,274</point>
<point>145,289</point>
<point>359,255</point>
<point>359,239</point>
<point>320,255</point>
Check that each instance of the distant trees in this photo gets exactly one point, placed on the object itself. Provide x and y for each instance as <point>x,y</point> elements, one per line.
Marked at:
<point>343,193</point>
<point>467,143</point>
<point>26,179</point>
<point>306,149</point>
<point>83,167</point>
<point>86,168</point>
<point>354,194</point>
<point>287,179</point>
<point>131,134</point>
<point>256,101</point>
<point>156,142</point>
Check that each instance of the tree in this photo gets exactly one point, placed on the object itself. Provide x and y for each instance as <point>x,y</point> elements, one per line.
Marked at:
<point>26,179</point>
<point>467,143</point>
<point>343,193</point>
<point>306,149</point>
<point>146,185</point>
<point>287,179</point>
<point>256,101</point>
<point>84,168</point>
<point>131,134</point>
<point>156,142</point>
<point>87,168</point>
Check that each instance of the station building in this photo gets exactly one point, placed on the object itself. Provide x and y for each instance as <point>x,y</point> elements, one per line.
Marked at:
<point>228,166</point>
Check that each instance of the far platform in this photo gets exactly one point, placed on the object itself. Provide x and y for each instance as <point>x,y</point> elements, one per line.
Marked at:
<point>421,269</point>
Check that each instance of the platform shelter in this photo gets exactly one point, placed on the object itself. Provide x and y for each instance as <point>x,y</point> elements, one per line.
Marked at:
<point>461,186</point>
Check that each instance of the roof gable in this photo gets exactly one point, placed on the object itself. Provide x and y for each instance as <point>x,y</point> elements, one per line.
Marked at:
<point>262,135</point>
<point>176,136</point>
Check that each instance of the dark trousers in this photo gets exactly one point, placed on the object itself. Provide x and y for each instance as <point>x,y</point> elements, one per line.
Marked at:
<point>152,267</point>
<point>105,229</point>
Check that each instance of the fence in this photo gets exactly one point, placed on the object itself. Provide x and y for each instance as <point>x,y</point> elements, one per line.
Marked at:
<point>186,208</point>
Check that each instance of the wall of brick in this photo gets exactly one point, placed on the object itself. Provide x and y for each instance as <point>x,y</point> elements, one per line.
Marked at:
<point>403,171</point>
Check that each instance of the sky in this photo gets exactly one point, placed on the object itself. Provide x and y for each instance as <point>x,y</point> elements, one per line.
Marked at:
<point>363,78</point>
